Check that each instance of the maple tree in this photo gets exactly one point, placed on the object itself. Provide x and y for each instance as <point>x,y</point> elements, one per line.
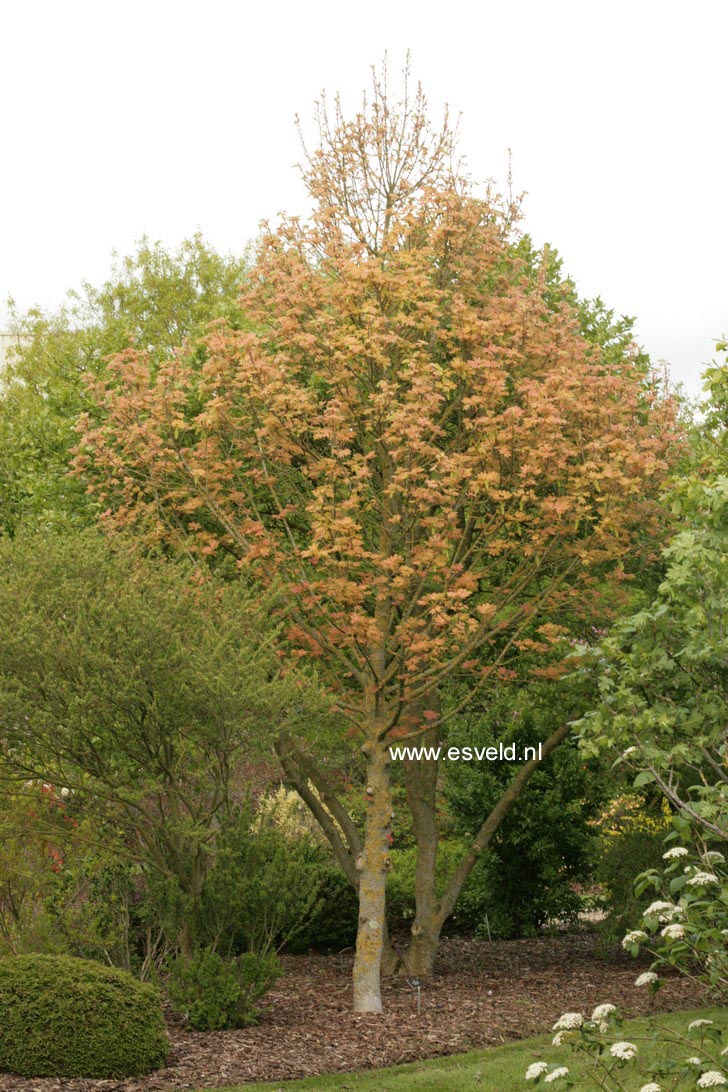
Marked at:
<point>415,440</point>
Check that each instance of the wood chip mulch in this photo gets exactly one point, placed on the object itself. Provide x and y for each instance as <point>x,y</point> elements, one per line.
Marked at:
<point>482,994</point>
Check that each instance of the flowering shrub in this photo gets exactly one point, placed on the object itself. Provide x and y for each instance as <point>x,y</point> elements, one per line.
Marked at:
<point>687,927</point>
<point>630,840</point>
<point>627,814</point>
<point>285,811</point>
<point>616,1062</point>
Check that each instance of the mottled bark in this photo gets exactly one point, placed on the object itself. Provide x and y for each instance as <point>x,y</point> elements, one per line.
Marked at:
<point>420,779</point>
<point>334,820</point>
<point>373,865</point>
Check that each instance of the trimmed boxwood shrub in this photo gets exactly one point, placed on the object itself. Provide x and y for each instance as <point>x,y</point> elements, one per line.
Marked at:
<point>67,1017</point>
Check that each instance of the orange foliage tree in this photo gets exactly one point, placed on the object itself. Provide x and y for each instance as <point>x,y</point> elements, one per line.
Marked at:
<point>413,438</point>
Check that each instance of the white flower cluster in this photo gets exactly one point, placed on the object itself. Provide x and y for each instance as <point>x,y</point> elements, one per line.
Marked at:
<point>703,879</point>
<point>651,1087</point>
<point>711,1079</point>
<point>635,937</point>
<point>673,932</point>
<point>676,851</point>
<point>647,978</point>
<point>601,1015</point>
<point>663,911</point>
<point>657,907</point>
<point>602,1011</point>
<point>556,1074</point>
<point>535,1070</point>
<point>569,1021</point>
<point>713,856</point>
<point>699,1024</point>
<point>624,1051</point>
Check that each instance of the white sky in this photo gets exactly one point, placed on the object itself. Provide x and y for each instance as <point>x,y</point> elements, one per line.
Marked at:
<point>168,117</point>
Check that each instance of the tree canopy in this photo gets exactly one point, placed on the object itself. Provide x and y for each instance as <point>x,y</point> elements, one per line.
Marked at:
<point>154,298</point>
<point>662,678</point>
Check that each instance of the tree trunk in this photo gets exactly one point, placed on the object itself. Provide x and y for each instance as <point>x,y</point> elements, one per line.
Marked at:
<point>184,940</point>
<point>431,912</point>
<point>420,778</point>
<point>373,865</point>
<point>419,959</point>
<point>333,819</point>
<point>392,961</point>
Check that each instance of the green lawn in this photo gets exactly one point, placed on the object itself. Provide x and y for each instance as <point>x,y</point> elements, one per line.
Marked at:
<point>498,1069</point>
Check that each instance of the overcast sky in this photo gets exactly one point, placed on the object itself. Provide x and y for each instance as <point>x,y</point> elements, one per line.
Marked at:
<point>164,118</point>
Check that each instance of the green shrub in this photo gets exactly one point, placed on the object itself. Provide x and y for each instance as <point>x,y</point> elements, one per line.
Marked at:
<point>259,892</point>
<point>216,993</point>
<point>66,1017</point>
<point>630,842</point>
<point>401,879</point>
<point>333,923</point>
<point>542,850</point>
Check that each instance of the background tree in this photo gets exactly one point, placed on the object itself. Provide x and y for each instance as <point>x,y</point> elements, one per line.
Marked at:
<point>663,685</point>
<point>142,695</point>
<point>418,442</point>
<point>154,299</point>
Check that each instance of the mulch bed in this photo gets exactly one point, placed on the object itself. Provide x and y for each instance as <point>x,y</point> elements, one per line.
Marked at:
<point>482,994</point>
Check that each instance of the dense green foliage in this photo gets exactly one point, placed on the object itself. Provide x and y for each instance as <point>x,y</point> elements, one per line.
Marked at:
<point>663,687</point>
<point>154,299</point>
<point>259,892</point>
<point>140,695</point>
<point>215,993</point>
<point>63,1017</point>
<point>544,846</point>
<point>332,924</point>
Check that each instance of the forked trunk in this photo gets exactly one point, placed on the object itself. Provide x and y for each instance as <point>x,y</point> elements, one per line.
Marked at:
<point>419,959</point>
<point>420,778</point>
<point>373,865</point>
<point>431,911</point>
